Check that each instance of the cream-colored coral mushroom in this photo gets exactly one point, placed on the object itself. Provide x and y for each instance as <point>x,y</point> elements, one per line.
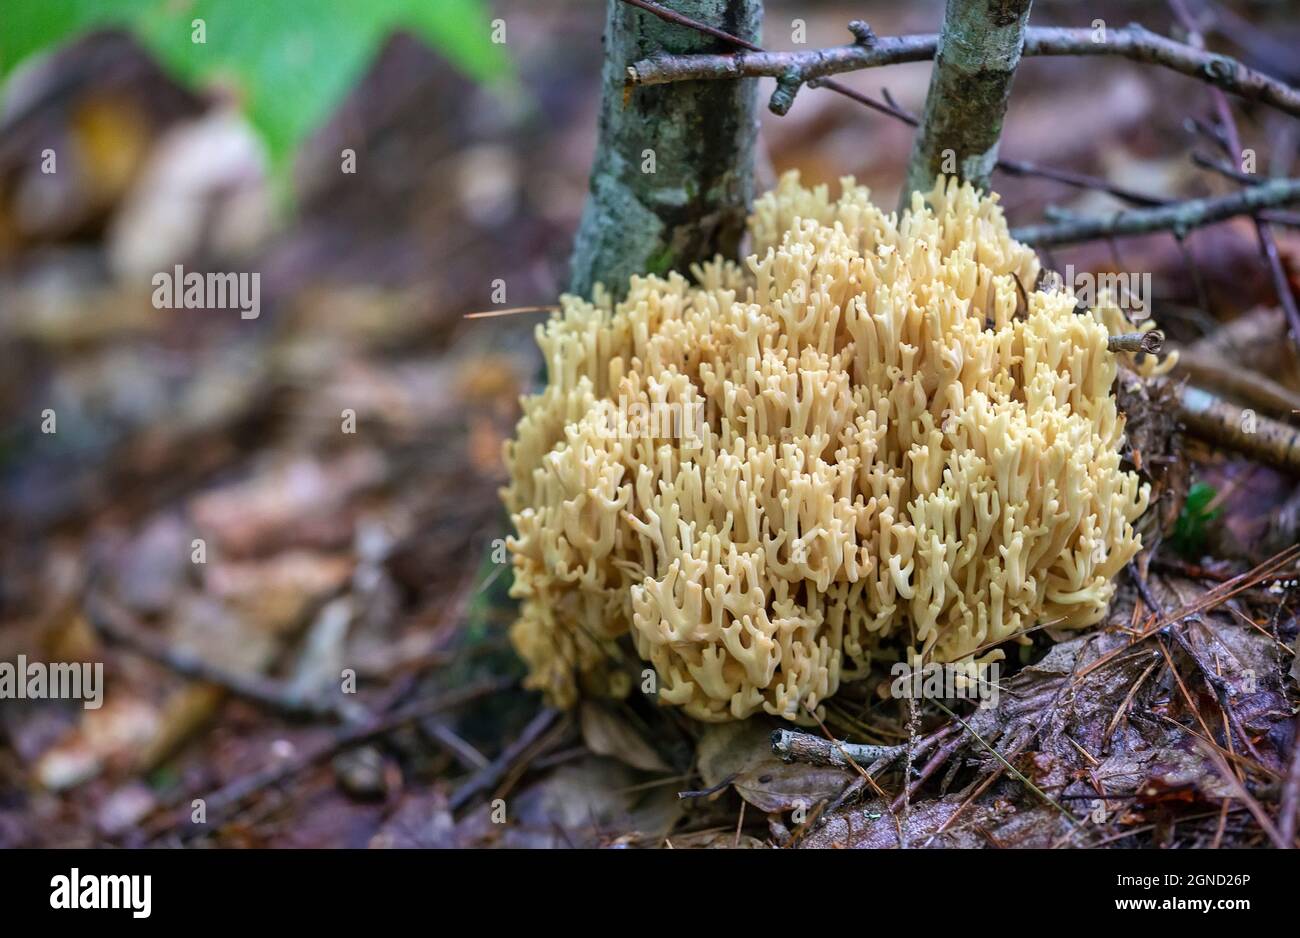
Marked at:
<point>892,451</point>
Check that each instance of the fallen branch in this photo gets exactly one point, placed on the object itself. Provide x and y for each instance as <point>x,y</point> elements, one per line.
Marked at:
<point>1217,421</point>
<point>1179,217</point>
<point>1132,42</point>
<point>493,772</point>
<point>1149,342</point>
<point>1237,380</point>
<point>793,746</point>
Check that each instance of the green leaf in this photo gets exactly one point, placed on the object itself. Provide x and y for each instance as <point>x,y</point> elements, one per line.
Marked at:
<point>289,61</point>
<point>1194,519</point>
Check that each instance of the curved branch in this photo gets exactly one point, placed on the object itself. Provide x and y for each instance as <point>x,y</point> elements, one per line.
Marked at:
<point>1176,217</point>
<point>1132,42</point>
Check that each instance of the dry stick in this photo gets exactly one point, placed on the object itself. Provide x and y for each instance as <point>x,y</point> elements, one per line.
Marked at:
<point>1178,217</point>
<point>492,773</point>
<point>1080,181</point>
<point>1216,420</point>
<point>1273,216</point>
<point>793,746</point>
<point>1235,379</point>
<point>1223,169</point>
<point>863,775</point>
<point>514,311</point>
<point>1149,342</point>
<point>1267,243</point>
<point>1132,42</point>
<point>674,17</point>
<point>941,755</point>
<point>1210,418</point>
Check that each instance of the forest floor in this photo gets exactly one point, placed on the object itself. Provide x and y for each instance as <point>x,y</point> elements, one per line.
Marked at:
<point>324,552</point>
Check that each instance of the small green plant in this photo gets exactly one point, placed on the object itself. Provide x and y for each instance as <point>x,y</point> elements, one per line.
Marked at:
<point>290,61</point>
<point>1194,520</point>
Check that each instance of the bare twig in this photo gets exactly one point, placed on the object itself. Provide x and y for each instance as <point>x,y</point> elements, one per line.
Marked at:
<point>672,16</point>
<point>1178,217</point>
<point>1079,181</point>
<point>1224,169</point>
<point>1133,42</point>
<point>793,746</point>
<point>953,741</point>
<point>891,108</point>
<point>488,776</point>
<point>1149,342</point>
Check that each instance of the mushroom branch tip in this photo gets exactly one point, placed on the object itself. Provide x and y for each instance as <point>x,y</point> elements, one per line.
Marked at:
<point>866,439</point>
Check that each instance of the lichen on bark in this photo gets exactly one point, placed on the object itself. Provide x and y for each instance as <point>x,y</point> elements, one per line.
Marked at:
<point>672,180</point>
<point>978,52</point>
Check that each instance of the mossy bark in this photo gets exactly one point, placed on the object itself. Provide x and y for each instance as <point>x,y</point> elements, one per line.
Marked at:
<point>672,181</point>
<point>979,50</point>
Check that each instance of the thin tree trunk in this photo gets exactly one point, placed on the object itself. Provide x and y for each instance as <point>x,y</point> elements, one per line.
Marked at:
<point>978,52</point>
<point>673,176</point>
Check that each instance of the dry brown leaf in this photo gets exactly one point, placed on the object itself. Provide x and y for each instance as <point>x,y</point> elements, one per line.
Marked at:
<point>608,734</point>
<point>742,752</point>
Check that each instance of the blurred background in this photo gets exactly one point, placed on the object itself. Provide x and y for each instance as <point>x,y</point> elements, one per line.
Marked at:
<point>322,549</point>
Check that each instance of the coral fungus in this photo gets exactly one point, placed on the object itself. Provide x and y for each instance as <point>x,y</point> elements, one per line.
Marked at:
<point>898,447</point>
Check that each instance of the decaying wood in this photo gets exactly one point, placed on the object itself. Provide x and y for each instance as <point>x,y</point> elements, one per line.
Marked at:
<point>1149,342</point>
<point>794,746</point>
<point>1218,421</point>
<point>1238,381</point>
